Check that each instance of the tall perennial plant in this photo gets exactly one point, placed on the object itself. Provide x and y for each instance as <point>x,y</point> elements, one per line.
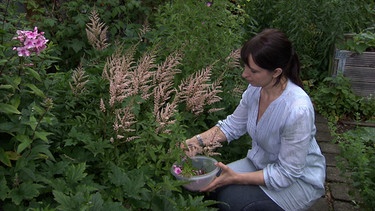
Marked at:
<point>101,136</point>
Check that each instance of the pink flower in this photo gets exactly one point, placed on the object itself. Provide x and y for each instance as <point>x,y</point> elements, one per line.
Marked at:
<point>23,51</point>
<point>177,170</point>
<point>31,41</point>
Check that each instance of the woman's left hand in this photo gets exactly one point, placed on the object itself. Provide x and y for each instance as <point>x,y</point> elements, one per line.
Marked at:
<point>227,176</point>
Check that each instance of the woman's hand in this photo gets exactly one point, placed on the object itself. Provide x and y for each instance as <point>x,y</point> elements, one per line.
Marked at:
<point>191,147</point>
<point>227,176</point>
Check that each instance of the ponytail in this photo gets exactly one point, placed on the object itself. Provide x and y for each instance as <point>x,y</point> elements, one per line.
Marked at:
<point>293,69</point>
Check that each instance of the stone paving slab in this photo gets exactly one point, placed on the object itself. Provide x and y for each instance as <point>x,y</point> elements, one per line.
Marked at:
<point>340,191</point>
<point>333,174</point>
<point>329,148</point>
<point>323,136</point>
<point>330,159</point>
<point>321,205</point>
<point>344,206</point>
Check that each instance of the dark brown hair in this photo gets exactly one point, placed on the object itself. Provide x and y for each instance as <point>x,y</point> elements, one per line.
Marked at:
<point>272,49</point>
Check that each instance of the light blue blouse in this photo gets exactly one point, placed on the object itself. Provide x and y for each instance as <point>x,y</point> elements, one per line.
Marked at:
<point>283,145</point>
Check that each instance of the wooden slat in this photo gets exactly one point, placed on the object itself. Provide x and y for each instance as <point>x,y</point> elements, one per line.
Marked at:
<point>366,59</point>
<point>364,74</point>
<point>363,89</point>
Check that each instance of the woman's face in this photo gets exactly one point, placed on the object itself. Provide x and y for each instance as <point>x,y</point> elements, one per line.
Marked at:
<point>257,76</point>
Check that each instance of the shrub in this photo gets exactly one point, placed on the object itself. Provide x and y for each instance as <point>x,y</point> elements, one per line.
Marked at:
<point>358,151</point>
<point>335,100</point>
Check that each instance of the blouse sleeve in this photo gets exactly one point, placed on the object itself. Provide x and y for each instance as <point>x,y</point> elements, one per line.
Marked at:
<point>234,126</point>
<point>295,140</point>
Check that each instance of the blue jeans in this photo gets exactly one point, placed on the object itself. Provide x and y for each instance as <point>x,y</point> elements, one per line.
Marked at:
<point>244,198</point>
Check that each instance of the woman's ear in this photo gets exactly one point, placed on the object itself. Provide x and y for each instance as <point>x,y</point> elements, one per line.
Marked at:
<point>277,72</point>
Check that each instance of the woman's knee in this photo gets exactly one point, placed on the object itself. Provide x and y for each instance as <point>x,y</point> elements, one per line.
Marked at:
<point>244,197</point>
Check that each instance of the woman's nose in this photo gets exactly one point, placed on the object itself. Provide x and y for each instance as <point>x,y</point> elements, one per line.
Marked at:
<point>245,73</point>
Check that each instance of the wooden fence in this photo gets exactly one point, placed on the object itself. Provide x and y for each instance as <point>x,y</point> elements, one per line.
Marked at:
<point>359,68</point>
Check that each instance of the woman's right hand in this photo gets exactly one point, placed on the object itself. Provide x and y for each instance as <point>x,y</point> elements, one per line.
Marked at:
<point>191,147</point>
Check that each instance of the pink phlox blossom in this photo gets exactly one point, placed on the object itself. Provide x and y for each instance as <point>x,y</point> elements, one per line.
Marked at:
<point>31,41</point>
<point>22,51</point>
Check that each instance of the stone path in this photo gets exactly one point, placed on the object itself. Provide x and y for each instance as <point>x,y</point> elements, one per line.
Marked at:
<point>337,186</point>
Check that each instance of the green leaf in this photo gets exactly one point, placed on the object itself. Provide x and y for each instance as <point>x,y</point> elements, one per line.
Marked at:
<point>34,74</point>
<point>14,82</point>
<point>132,182</point>
<point>117,177</point>
<point>76,44</point>
<point>12,155</point>
<point>4,158</point>
<point>61,198</point>
<point>24,192</point>
<point>25,142</point>
<point>7,126</point>
<point>3,61</point>
<point>5,86</point>
<point>8,109</point>
<point>16,101</point>
<point>75,173</point>
<point>35,90</point>
<point>42,135</point>
<point>33,122</point>
<point>39,110</point>
<point>3,189</point>
<point>41,150</point>
<point>97,202</point>
<point>98,146</point>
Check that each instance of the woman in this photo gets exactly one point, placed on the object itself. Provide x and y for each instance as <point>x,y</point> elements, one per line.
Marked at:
<point>285,169</point>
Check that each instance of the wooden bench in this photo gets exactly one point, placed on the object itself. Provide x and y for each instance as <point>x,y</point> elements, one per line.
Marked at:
<point>359,69</point>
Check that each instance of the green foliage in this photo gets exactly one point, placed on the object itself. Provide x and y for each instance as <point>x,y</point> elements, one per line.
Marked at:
<point>358,150</point>
<point>190,26</point>
<point>313,26</point>
<point>335,100</point>
<point>359,42</point>
<point>64,22</point>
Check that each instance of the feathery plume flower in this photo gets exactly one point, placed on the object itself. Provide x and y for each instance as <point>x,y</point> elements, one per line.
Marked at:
<point>123,123</point>
<point>96,32</point>
<point>164,91</point>
<point>124,120</point>
<point>233,62</point>
<point>79,78</point>
<point>127,80</point>
<point>117,72</point>
<point>164,117</point>
<point>31,41</point>
<point>102,105</point>
<point>143,75</point>
<point>145,28</point>
<point>196,91</point>
<point>233,59</point>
